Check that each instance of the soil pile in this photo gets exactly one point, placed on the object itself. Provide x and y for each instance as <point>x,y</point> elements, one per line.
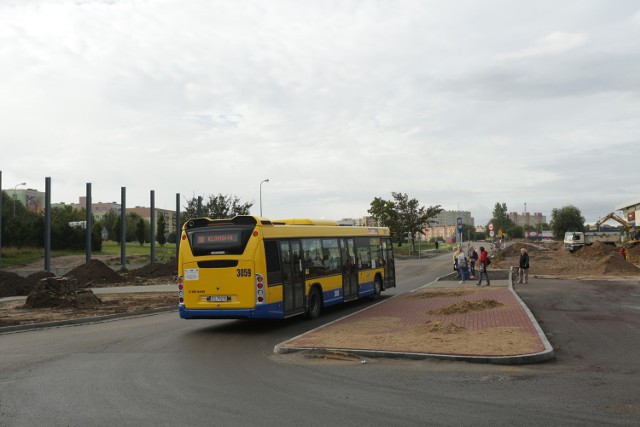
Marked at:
<point>598,259</point>
<point>154,270</point>
<point>12,284</point>
<point>60,292</point>
<point>634,254</point>
<point>94,272</point>
<point>36,277</point>
<point>606,259</point>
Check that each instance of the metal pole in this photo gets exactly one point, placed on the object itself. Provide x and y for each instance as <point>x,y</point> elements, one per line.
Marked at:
<point>47,224</point>
<point>178,226</point>
<point>153,226</point>
<point>266,180</point>
<point>199,207</point>
<point>14,197</point>
<point>123,228</point>
<point>88,222</point>
<point>1,197</point>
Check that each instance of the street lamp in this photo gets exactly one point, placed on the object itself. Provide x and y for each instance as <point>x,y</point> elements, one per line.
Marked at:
<point>14,197</point>
<point>266,180</point>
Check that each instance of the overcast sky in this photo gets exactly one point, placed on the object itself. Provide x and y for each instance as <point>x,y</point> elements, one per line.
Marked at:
<point>457,103</point>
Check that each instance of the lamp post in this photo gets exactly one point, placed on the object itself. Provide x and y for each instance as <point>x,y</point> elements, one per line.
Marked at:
<point>14,197</point>
<point>266,180</point>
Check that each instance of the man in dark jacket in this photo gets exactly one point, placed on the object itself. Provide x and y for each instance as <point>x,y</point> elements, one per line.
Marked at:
<point>523,271</point>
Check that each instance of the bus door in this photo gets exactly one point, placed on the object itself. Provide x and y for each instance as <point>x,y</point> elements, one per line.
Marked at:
<point>293,277</point>
<point>349,269</point>
<point>389,270</point>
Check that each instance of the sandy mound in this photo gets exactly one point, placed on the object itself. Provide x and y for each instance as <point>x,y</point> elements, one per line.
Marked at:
<point>94,272</point>
<point>597,259</point>
<point>467,306</point>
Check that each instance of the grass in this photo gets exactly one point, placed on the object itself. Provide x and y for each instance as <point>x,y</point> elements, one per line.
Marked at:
<point>406,249</point>
<point>13,257</point>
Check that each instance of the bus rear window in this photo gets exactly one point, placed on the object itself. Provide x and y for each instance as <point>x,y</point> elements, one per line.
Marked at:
<point>218,242</point>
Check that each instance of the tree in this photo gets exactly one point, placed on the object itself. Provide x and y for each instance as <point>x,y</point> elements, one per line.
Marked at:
<point>403,216</point>
<point>110,221</point>
<point>140,231</point>
<point>500,218</point>
<point>567,218</point>
<point>131,225</point>
<point>217,206</point>
<point>383,212</point>
<point>160,229</point>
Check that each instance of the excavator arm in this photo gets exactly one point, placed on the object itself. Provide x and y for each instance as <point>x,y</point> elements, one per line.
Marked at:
<point>614,217</point>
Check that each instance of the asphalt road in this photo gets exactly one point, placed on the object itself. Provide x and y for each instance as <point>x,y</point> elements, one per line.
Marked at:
<point>160,370</point>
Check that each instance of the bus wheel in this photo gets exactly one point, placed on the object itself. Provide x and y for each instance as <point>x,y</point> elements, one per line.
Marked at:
<point>314,304</point>
<point>377,288</point>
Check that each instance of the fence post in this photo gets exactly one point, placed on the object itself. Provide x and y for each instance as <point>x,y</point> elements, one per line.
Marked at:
<point>153,226</point>
<point>178,226</point>
<point>123,228</point>
<point>47,224</point>
<point>88,223</point>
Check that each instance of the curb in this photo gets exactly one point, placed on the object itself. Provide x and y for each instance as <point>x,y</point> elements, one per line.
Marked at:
<point>84,320</point>
<point>543,356</point>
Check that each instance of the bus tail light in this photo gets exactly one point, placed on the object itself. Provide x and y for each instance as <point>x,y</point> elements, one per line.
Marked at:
<point>180,290</point>
<point>261,295</point>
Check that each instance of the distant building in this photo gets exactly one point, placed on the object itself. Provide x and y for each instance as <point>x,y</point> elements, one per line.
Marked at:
<point>365,221</point>
<point>448,218</point>
<point>100,209</point>
<point>145,213</point>
<point>31,199</point>
<point>527,218</point>
<point>630,211</point>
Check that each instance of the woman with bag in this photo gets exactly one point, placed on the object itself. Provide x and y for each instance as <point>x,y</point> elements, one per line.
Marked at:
<point>484,262</point>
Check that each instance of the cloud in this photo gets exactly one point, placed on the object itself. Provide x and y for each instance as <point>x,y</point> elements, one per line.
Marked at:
<point>553,43</point>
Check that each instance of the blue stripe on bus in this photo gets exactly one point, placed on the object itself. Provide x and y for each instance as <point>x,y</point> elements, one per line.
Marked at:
<point>269,311</point>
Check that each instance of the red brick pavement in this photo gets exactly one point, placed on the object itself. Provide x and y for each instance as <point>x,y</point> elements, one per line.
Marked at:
<point>414,309</point>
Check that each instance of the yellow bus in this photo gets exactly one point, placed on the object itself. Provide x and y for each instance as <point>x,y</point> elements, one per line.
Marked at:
<point>251,267</point>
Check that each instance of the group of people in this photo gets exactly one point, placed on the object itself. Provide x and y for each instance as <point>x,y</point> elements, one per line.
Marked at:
<point>465,265</point>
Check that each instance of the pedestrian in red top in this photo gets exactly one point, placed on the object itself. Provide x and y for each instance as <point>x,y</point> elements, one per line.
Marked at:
<point>484,261</point>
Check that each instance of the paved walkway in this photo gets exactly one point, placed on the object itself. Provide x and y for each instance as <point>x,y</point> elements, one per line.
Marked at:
<point>429,323</point>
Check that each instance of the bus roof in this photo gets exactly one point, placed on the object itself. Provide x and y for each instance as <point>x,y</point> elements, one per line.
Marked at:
<point>303,221</point>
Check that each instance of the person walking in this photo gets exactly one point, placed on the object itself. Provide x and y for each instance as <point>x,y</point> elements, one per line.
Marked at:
<point>456,253</point>
<point>523,271</point>
<point>462,266</point>
<point>484,261</point>
<point>473,258</point>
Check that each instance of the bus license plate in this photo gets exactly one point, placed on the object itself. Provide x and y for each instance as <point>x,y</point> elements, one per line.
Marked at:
<point>218,298</point>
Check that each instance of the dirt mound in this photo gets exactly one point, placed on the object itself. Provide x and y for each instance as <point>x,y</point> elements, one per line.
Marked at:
<point>39,275</point>
<point>634,254</point>
<point>596,251</point>
<point>594,260</point>
<point>467,306</point>
<point>12,284</point>
<point>94,272</point>
<point>437,327</point>
<point>153,270</point>
<point>54,292</point>
<point>514,249</point>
